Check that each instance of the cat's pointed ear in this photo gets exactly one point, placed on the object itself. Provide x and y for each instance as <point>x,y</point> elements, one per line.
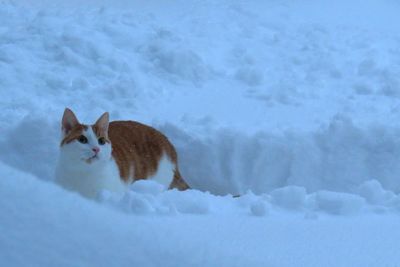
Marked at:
<point>69,120</point>
<point>102,122</point>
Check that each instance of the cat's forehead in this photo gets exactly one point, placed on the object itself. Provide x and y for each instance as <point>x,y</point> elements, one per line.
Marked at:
<point>93,130</point>
<point>88,128</point>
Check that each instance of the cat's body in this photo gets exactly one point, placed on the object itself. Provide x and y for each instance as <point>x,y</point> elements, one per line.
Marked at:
<point>109,156</point>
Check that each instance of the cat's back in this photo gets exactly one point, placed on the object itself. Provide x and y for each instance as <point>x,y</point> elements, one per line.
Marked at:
<point>138,148</point>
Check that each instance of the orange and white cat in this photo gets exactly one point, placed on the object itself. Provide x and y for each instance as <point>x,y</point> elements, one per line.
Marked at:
<point>111,155</point>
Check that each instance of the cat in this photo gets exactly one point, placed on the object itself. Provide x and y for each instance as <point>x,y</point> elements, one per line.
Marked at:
<point>111,155</point>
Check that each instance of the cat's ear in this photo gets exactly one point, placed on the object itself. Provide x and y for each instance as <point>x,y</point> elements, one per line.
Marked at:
<point>102,123</point>
<point>69,121</point>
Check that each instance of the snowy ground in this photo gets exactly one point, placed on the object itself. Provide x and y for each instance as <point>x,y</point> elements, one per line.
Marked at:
<point>293,105</point>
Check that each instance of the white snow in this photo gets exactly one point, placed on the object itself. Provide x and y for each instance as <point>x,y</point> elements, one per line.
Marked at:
<point>293,105</point>
<point>42,225</point>
<point>290,197</point>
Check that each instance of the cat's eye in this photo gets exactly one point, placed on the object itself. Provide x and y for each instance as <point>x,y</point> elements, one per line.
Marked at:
<point>101,141</point>
<point>82,139</point>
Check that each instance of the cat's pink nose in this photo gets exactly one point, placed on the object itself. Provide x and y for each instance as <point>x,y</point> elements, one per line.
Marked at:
<point>96,149</point>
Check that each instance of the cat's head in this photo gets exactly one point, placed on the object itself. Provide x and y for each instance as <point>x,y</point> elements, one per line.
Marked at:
<point>85,143</point>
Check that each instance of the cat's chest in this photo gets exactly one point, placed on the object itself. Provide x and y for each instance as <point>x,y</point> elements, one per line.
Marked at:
<point>89,179</point>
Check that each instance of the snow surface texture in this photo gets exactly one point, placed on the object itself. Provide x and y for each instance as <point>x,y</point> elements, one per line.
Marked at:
<point>293,105</point>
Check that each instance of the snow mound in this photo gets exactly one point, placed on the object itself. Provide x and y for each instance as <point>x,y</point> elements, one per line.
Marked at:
<point>338,203</point>
<point>290,197</point>
<point>147,197</point>
<point>374,193</point>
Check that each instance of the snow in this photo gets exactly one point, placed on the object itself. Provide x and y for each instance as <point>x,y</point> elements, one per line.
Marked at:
<point>293,106</point>
<point>374,193</point>
<point>42,225</point>
<point>290,197</point>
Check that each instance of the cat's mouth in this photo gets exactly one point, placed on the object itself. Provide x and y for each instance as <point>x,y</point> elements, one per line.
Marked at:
<point>92,158</point>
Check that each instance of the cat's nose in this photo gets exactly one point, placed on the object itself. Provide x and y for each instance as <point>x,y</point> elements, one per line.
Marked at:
<point>96,149</point>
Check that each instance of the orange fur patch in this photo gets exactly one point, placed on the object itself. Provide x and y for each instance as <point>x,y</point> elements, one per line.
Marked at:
<point>138,147</point>
<point>74,134</point>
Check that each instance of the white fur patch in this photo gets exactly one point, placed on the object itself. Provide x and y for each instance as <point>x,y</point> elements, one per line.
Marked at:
<point>165,172</point>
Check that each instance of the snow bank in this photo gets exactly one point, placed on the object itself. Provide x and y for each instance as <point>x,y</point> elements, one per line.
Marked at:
<point>43,225</point>
<point>291,199</point>
<point>337,157</point>
<point>338,203</point>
